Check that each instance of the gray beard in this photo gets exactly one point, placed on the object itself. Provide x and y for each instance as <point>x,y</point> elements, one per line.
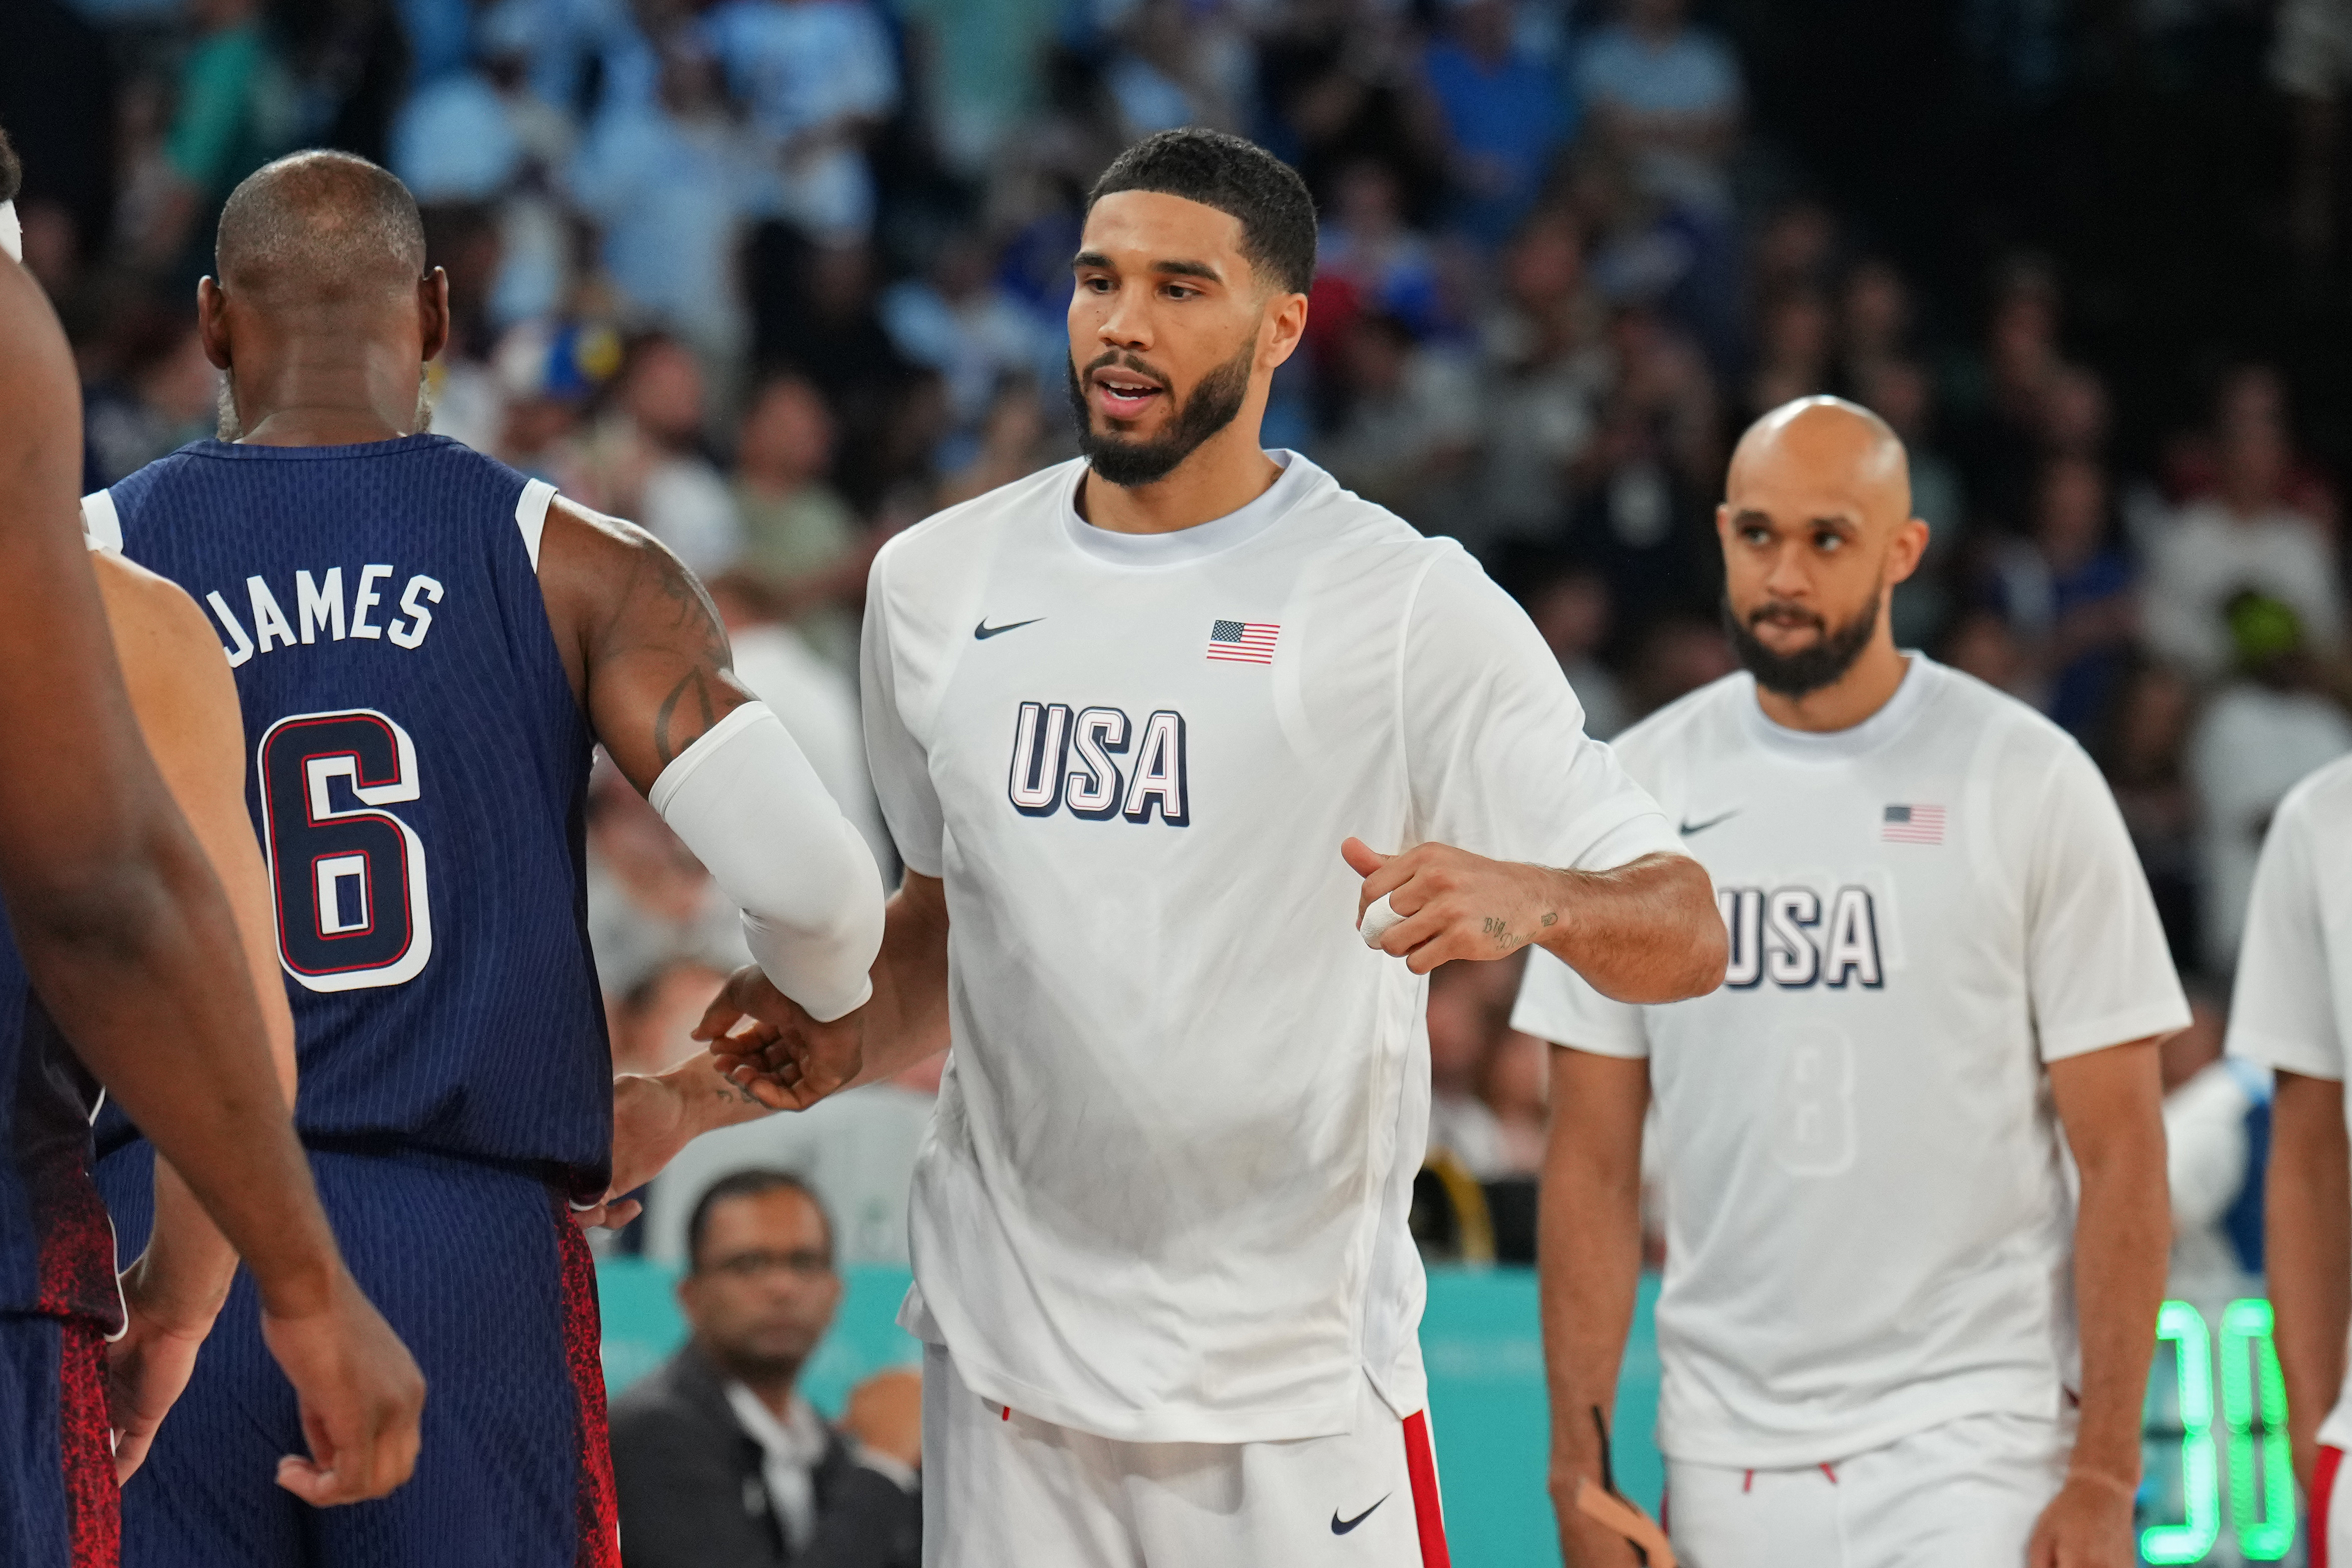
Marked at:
<point>230,428</point>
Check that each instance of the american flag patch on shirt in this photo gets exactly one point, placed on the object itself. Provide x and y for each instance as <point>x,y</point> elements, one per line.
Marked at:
<point>1913,825</point>
<point>1244,642</point>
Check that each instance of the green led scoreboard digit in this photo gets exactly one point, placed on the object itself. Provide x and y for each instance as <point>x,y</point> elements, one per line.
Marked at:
<point>2253,1413</point>
<point>2252,1410</point>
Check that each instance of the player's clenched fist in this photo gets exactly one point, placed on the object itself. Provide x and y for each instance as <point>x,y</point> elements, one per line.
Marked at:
<point>1443,903</point>
<point>781,1056</point>
<point>361,1396</point>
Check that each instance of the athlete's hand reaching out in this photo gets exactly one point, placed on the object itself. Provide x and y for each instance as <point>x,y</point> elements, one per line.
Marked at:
<point>782,1056</point>
<point>2087,1525</point>
<point>1452,903</point>
<point>360,1397</point>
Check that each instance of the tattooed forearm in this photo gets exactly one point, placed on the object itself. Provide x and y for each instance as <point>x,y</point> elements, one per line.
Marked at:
<point>699,716</point>
<point>694,619</point>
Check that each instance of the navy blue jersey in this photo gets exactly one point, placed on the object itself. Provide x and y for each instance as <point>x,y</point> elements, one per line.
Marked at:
<point>57,1252</point>
<point>418,777</point>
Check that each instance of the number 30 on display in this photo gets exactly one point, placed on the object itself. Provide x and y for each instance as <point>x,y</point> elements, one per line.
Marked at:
<point>2253,1424</point>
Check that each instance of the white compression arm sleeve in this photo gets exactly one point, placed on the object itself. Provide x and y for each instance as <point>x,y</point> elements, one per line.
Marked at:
<point>750,806</point>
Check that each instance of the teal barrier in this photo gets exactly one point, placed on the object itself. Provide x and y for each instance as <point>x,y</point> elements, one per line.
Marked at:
<point>2217,1491</point>
<point>1480,1341</point>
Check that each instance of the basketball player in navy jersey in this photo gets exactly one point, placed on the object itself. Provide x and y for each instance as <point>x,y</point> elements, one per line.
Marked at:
<point>117,939</point>
<point>425,647</point>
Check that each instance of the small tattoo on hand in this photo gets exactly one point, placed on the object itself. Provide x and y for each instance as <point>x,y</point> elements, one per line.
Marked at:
<point>1550,920</point>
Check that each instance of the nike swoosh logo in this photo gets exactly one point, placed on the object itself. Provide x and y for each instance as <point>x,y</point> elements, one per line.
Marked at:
<point>983,631</point>
<point>1691,828</point>
<point>1341,1527</point>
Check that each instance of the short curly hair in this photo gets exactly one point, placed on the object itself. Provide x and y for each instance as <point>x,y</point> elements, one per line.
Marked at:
<point>1234,176</point>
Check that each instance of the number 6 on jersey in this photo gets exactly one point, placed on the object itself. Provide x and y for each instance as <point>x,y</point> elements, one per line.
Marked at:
<point>352,911</point>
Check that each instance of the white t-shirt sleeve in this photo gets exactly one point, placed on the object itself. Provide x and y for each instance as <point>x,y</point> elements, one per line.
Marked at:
<point>901,768</point>
<point>2283,1009</point>
<point>2097,970</point>
<point>1495,745</point>
<point>1556,1004</point>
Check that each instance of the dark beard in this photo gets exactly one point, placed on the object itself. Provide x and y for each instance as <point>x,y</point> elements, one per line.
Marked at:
<point>1212,405</point>
<point>1806,671</point>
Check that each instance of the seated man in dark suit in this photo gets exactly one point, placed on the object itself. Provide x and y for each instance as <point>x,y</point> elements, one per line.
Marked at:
<point>720,1463</point>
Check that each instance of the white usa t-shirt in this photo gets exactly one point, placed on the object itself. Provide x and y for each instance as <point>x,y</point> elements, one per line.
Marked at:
<point>1164,1194</point>
<point>2292,1006</point>
<point>1868,1232</point>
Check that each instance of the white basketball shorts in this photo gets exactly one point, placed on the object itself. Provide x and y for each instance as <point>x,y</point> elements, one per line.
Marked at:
<point>1963,1495</point>
<point>1001,1488</point>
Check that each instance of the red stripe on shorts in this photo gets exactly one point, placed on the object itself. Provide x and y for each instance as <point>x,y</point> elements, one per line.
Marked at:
<point>2323,1492</point>
<point>85,1436</point>
<point>597,1507</point>
<point>1428,1511</point>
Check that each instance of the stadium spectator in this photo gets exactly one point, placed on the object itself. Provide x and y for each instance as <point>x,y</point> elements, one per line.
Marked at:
<point>2068,593</point>
<point>816,78</point>
<point>958,321</point>
<point>815,311</point>
<point>1544,368</point>
<point>672,182</point>
<point>985,63</point>
<point>1406,423</point>
<point>856,1150</point>
<point>234,111</point>
<point>1875,321</point>
<point>801,540</point>
<point>1503,112</point>
<point>2260,735</point>
<point>1337,77</point>
<point>644,458</point>
<point>1384,264</point>
<point>2142,748</point>
<point>2248,396</point>
<point>1670,94</point>
<point>160,395</point>
<point>487,136</point>
<point>2245,538</point>
<point>2311,61</point>
<point>1175,64</point>
<point>1795,343</point>
<point>1569,603</point>
<point>1018,437</point>
<point>2002,399</point>
<point>719,1460</point>
<point>1466,1021</point>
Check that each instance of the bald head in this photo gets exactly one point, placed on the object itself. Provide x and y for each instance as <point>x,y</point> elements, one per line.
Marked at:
<point>1817,529</point>
<point>321,228</point>
<point>1826,445</point>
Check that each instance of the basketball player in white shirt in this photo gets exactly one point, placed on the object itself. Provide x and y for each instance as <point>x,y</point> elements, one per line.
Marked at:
<point>1943,953</point>
<point>1125,716</point>
<point>2292,1010</point>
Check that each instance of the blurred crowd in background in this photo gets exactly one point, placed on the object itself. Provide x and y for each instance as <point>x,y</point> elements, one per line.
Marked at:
<point>778,278</point>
